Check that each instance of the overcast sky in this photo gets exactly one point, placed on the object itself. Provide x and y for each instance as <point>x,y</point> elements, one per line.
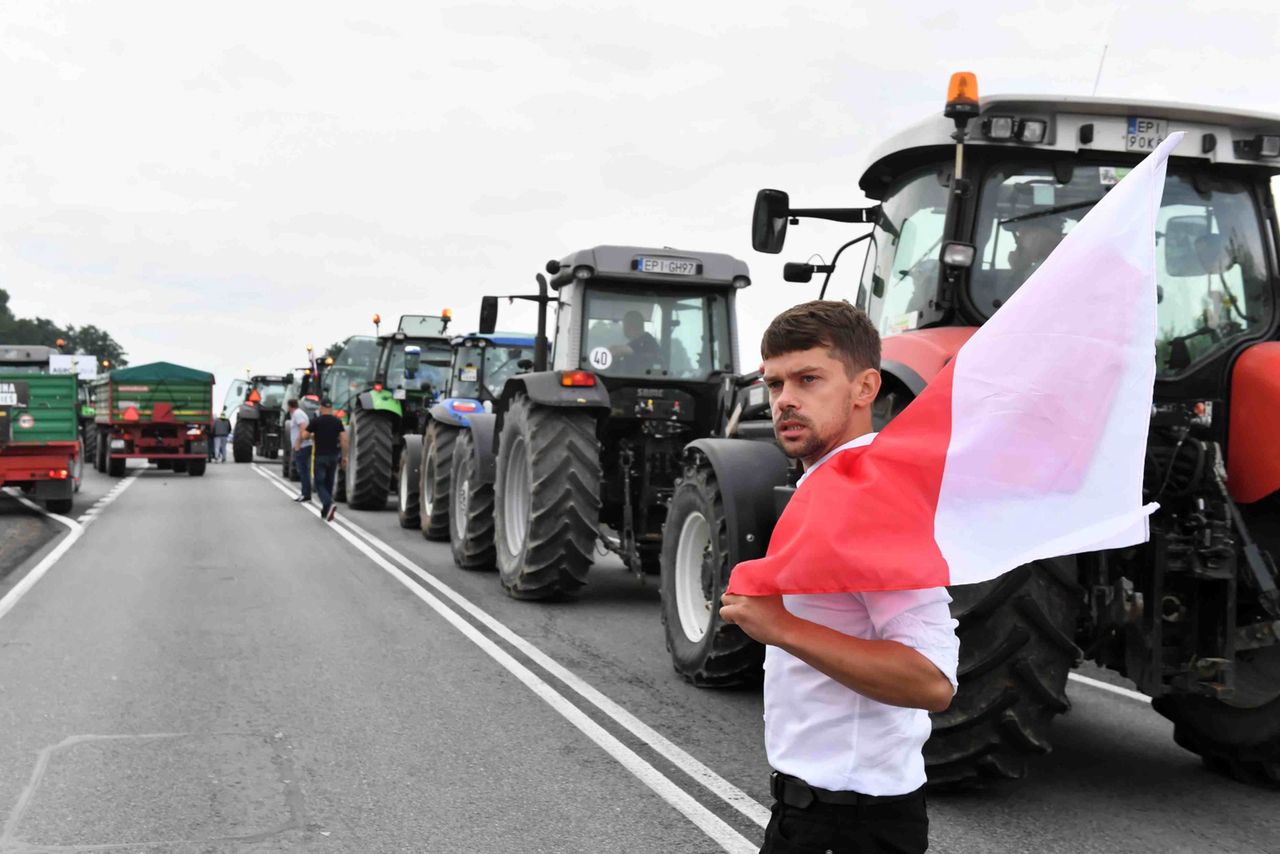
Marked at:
<point>221,184</point>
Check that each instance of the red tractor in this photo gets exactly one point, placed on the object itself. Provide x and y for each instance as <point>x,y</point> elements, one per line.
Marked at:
<point>967,206</point>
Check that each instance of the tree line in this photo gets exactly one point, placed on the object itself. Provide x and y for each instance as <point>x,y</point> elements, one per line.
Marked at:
<point>87,339</point>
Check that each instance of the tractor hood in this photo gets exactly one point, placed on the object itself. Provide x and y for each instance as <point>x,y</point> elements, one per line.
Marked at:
<point>916,357</point>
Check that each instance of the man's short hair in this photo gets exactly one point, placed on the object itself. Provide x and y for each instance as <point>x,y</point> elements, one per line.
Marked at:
<point>840,327</point>
<point>293,402</point>
<point>326,403</point>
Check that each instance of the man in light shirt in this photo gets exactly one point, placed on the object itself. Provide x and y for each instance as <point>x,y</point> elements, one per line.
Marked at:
<point>850,678</point>
<point>300,448</point>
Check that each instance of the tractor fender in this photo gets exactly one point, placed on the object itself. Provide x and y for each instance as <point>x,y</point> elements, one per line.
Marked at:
<point>456,411</point>
<point>1253,456</point>
<point>916,357</point>
<point>748,473</point>
<point>247,412</point>
<point>379,401</point>
<point>482,427</point>
<point>544,389</point>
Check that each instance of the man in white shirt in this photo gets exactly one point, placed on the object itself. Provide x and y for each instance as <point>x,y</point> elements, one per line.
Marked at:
<point>300,448</point>
<point>849,677</point>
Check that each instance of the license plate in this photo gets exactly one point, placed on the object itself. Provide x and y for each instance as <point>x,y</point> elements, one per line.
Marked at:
<point>669,266</point>
<point>1145,134</point>
<point>8,398</point>
<point>398,394</point>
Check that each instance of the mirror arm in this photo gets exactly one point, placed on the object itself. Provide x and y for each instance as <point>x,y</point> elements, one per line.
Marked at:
<point>831,268</point>
<point>855,215</point>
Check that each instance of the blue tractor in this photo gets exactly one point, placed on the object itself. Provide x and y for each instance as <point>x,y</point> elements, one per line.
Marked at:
<point>480,366</point>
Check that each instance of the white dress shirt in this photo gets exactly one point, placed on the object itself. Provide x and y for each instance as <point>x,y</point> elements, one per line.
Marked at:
<point>835,738</point>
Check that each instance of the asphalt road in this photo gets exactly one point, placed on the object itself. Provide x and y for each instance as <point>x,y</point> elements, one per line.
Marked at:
<point>208,667</point>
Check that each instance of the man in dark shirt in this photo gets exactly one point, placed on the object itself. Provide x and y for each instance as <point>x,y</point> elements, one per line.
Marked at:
<point>641,351</point>
<point>330,441</point>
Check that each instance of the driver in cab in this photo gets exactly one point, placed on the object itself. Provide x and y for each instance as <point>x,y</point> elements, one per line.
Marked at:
<point>1033,240</point>
<point>641,350</point>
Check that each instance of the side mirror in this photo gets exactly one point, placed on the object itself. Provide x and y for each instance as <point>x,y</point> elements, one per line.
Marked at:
<point>488,315</point>
<point>769,221</point>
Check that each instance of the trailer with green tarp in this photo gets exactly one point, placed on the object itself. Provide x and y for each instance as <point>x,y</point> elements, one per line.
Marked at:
<point>39,444</point>
<point>160,412</point>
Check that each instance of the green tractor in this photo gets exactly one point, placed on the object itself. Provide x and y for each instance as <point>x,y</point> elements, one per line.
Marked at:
<point>259,407</point>
<point>588,451</point>
<point>388,389</point>
<point>481,366</point>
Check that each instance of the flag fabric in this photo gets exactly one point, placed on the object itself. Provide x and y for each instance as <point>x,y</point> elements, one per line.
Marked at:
<point>1029,444</point>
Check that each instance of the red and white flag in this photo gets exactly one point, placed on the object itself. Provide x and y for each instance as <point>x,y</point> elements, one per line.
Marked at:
<point>1029,444</point>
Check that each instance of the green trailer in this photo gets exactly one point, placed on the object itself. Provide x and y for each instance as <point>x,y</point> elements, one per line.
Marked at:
<point>39,445</point>
<point>160,412</point>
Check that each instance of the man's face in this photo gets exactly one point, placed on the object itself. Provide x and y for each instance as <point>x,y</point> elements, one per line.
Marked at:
<point>632,326</point>
<point>816,406</point>
<point>1032,244</point>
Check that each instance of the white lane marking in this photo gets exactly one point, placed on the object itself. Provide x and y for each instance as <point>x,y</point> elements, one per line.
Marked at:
<point>705,820</point>
<point>722,788</point>
<point>1104,686</point>
<point>37,572</point>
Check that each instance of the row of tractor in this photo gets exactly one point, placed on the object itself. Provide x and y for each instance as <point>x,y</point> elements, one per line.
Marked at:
<point>624,423</point>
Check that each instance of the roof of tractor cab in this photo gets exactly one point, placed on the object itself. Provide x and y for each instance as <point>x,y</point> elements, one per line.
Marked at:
<point>1077,125</point>
<point>501,339</point>
<point>625,263</point>
<point>25,354</point>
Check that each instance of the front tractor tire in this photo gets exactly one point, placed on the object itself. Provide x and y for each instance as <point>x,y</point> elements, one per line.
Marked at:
<point>1239,738</point>
<point>242,442</point>
<point>705,650</point>
<point>1016,648</point>
<point>407,480</point>
<point>548,499</point>
<point>369,461</point>
<point>470,509</point>
<point>436,471</point>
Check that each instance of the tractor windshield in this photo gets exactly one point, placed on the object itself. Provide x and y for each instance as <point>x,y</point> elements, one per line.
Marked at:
<point>493,364</point>
<point>431,373</point>
<point>272,395</point>
<point>1211,273</point>
<point>677,334</point>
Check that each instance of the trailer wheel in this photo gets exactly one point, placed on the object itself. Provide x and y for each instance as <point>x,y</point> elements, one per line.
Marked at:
<point>470,509</point>
<point>103,450</point>
<point>1016,648</point>
<point>369,461</point>
<point>704,649</point>
<point>408,477</point>
<point>242,442</point>
<point>434,480</point>
<point>61,506</point>
<point>1242,738</point>
<point>115,467</point>
<point>196,468</point>
<point>180,466</point>
<point>547,499</point>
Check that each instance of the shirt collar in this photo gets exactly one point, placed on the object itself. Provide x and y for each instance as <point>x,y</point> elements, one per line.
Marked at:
<point>864,439</point>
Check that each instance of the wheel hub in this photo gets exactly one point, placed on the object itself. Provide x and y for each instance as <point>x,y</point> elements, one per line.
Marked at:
<point>693,577</point>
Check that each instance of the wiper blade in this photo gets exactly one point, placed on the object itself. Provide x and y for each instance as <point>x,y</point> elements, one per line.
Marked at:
<point>1049,212</point>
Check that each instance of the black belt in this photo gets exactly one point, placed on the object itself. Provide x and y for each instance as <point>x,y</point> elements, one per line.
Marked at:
<point>795,792</point>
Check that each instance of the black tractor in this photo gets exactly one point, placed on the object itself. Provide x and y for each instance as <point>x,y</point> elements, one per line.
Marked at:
<point>259,403</point>
<point>589,451</point>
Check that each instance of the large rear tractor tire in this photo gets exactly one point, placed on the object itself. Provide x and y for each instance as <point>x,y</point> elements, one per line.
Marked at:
<point>704,649</point>
<point>196,468</point>
<point>102,448</point>
<point>408,478</point>
<point>1240,738</point>
<point>242,442</point>
<point>547,500</point>
<point>369,461</point>
<point>1016,648</point>
<point>89,445</point>
<point>77,469</point>
<point>470,509</point>
<point>434,480</point>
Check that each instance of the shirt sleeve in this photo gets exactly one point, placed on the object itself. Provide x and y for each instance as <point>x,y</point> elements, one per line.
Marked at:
<point>920,619</point>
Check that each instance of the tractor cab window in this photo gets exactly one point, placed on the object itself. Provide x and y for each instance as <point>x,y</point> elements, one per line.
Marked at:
<point>502,363</point>
<point>272,394</point>
<point>431,370</point>
<point>1211,273</point>
<point>655,333</point>
<point>235,394</point>
<point>900,277</point>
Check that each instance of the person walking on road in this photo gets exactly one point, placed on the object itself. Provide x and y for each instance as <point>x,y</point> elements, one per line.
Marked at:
<point>221,430</point>
<point>300,448</point>
<point>849,677</point>
<point>330,450</point>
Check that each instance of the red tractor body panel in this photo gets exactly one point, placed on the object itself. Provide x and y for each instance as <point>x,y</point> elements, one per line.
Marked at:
<point>925,351</point>
<point>1253,443</point>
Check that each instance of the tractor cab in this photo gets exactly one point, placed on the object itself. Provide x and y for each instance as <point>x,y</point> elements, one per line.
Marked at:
<point>483,363</point>
<point>968,205</point>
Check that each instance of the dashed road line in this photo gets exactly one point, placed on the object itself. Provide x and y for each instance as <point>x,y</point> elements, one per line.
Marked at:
<point>76,530</point>
<point>701,817</point>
